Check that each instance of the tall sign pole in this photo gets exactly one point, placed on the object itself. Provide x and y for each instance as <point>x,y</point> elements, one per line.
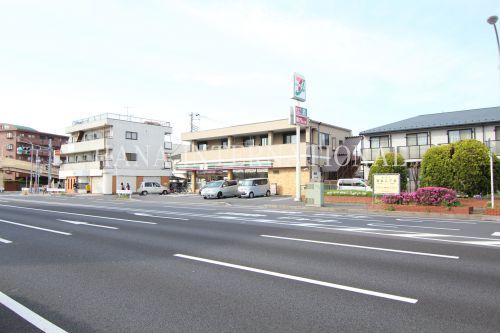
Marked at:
<point>300,119</point>
<point>49,167</point>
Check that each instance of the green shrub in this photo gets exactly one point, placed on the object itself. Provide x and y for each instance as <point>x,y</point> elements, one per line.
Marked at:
<point>437,168</point>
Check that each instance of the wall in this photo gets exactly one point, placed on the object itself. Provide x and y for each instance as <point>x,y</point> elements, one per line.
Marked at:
<point>286,180</point>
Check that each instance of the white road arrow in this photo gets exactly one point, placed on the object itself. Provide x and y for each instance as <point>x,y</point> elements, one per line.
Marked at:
<point>89,224</point>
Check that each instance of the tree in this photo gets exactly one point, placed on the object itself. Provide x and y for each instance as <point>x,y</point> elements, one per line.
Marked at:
<point>437,168</point>
<point>470,162</point>
<point>386,164</point>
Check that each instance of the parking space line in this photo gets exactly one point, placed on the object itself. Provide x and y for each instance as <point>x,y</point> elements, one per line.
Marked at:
<point>28,315</point>
<point>363,247</point>
<point>302,279</point>
<point>37,228</point>
<point>5,241</point>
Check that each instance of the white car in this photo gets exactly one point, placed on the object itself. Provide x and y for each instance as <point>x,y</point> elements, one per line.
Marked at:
<point>153,188</point>
<point>354,184</point>
<point>220,189</point>
<point>254,187</point>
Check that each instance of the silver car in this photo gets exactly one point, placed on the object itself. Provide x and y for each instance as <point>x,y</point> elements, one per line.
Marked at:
<point>220,189</point>
<point>254,187</point>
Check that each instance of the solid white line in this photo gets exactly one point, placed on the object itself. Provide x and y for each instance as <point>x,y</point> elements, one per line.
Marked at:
<point>420,220</point>
<point>364,247</point>
<point>77,214</point>
<point>34,319</point>
<point>161,217</point>
<point>89,224</point>
<point>406,226</point>
<point>496,234</point>
<point>301,279</point>
<point>6,241</point>
<point>37,228</point>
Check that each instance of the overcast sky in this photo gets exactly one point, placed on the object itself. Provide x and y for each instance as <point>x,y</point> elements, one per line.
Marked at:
<point>367,63</point>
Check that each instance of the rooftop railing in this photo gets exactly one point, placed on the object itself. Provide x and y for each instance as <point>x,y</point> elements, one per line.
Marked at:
<point>123,117</point>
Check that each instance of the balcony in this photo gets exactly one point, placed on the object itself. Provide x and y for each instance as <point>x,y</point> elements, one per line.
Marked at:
<point>413,152</point>
<point>371,154</point>
<point>276,156</point>
<point>86,146</point>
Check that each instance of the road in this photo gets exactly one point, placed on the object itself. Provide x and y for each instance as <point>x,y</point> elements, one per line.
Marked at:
<point>174,264</point>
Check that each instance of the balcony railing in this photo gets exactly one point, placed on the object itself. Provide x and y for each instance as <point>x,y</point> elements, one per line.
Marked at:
<point>413,152</point>
<point>371,154</point>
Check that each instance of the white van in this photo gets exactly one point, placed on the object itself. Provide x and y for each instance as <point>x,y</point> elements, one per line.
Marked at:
<point>153,188</point>
<point>254,187</point>
<point>220,189</point>
<point>353,184</point>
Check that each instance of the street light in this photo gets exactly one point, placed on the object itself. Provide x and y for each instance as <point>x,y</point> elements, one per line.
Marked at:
<point>493,20</point>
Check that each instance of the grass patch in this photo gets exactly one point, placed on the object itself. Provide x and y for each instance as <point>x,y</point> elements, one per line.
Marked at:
<point>349,193</point>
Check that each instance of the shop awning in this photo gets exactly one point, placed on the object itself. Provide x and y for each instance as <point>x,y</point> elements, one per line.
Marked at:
<point>198,166</point>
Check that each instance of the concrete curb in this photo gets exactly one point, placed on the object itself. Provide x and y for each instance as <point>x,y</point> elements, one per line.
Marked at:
<point>386,213</point>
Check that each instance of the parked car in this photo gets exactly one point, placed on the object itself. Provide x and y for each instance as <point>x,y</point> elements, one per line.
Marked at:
<point>354,184</point>
<point>220,189</point>
<point>254,187</point>
<point>153,188</point>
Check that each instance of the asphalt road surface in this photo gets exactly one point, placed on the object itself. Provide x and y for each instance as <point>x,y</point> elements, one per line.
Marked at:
<point>165,264</point>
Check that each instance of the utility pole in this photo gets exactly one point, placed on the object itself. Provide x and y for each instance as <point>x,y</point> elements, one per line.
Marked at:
<point>49,167</point>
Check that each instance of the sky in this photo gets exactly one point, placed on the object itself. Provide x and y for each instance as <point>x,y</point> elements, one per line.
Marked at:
<point>366,63</point>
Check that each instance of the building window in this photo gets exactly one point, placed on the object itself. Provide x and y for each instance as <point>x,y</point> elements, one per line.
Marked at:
<point>131,135</point>
<point>457,135</point>
<point>324,139</point>
<point>497,133</point>
<point>9,146</point>
<point>84,157</point>
<point>202,145</point>
<point>132,157</point>
<point>417,139</point>
<point>224,143</point>
<point>249,141</point>
<point>289,138</point>
<point>9,135</point>
<point>264,140</point>
<point>379,142</point>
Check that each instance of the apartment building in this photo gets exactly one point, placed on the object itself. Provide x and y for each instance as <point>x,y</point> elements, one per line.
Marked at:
<point>17,166</point>
<point>265,149</point>
<point>107,150</point>
<point>412,137</point>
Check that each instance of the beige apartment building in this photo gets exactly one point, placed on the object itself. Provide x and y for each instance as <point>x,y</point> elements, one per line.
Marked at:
<point>265,149</point>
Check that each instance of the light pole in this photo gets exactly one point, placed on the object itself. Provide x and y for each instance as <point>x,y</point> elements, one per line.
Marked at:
<point>493,20</point>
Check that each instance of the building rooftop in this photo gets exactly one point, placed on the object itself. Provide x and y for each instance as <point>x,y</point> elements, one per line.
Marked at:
<point>122,117</point>
<point>444,119</point>
<point>17,127</point>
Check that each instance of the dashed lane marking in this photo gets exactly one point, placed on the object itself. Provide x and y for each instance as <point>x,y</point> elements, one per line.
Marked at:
<point>37,228</point>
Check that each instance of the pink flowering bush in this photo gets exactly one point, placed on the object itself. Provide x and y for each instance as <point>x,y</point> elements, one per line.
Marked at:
<point>426,196</point>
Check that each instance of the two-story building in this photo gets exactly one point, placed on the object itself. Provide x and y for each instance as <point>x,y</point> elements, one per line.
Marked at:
<point>265,149</point>
<point>412,137</point>
<point>110,149</point>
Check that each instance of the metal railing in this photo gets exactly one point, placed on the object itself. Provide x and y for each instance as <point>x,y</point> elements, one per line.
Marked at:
<point>123,117</point>
<point>413,152</point>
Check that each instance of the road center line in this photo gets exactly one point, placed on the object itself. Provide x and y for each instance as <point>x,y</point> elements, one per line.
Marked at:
<point>363,247</point>
<point>28,315</point>
<point>301,279</point>
<point>37,228</point>
<point>77,214</point>
<point>89,224</point>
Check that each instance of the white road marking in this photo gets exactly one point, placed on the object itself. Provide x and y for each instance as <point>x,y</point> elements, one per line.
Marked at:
<point>293,218</point>
<point>406,226</point>
<point>420,220</point>
<point>489,243</point>
<point>89,224</point>
<point>5,241</point>
<point>242,214</point>
<point>161,217</point>
<point>281,199</point>
<point>364,247</point>
<point>37,228</point>
<point>25,313</point>
<point>77,214</point>
<point>301,279</point>
<point>496,234</point>
<point>277,211</point>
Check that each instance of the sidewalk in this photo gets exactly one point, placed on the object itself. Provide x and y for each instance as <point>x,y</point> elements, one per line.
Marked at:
<point>363,209</point>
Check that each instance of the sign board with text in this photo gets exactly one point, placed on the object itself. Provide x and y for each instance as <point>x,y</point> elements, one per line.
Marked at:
<point>386,183</point>
<point>301,116</point>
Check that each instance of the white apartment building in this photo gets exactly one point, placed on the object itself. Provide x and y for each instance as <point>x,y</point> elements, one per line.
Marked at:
<point>107,150</point>
<point>412,137</point>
